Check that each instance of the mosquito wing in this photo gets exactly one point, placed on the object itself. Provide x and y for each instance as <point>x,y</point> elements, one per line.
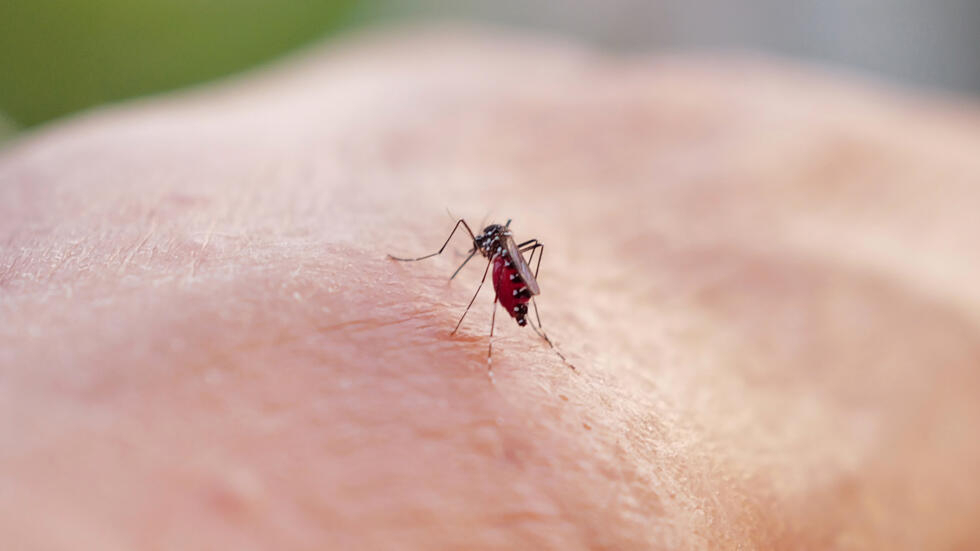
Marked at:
<point>521,265</point>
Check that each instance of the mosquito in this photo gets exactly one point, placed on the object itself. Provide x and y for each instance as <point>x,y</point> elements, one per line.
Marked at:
<point>514,284</point>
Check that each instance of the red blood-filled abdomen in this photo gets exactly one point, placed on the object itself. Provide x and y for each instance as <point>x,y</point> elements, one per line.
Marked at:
<point>512,292</point>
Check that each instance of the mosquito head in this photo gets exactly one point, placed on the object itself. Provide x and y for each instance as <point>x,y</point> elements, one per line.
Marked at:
<point>489,239</point>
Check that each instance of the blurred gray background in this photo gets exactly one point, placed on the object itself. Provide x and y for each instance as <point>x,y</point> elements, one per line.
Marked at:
<point>933,44</point>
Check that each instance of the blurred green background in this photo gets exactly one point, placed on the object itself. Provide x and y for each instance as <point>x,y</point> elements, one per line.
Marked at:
<point>60,56</point>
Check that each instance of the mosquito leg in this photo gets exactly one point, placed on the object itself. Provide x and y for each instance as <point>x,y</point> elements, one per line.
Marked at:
<point>472,254</point>
<point>536,314</point>
<point>529,245</point>
<point>544,336</point>
<point>482,281</point>
<point>533,245</point>
<point>493,321</point>
<point>460,221</point>
<point>537,268</point>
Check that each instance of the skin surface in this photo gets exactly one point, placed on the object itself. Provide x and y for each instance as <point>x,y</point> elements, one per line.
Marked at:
<point>765,277</point>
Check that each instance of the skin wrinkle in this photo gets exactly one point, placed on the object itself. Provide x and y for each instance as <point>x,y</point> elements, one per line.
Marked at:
<point>237,360</point>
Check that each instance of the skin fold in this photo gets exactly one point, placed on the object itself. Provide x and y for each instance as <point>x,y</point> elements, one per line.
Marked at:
<point>765,277</point>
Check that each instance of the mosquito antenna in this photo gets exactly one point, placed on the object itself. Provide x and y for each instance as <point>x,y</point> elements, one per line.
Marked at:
<point>507,225</point>
<point>483,222</point>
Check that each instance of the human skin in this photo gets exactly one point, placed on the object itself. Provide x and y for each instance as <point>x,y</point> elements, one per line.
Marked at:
<point>765,276</point>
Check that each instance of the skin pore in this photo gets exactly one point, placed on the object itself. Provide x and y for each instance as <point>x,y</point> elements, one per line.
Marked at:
<point>765,278</point>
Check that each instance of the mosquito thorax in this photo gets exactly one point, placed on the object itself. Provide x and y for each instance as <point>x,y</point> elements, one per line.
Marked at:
<point>488,242</point>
